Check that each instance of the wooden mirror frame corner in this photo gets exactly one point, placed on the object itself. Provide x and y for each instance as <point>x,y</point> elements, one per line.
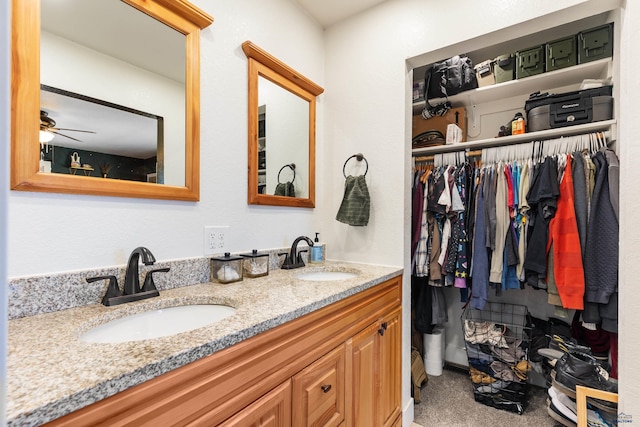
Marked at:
<point>263,64</point>
<point>180,15</point>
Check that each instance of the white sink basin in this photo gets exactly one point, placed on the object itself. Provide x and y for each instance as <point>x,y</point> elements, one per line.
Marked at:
<point>325,276</point>
<point>157,323</point>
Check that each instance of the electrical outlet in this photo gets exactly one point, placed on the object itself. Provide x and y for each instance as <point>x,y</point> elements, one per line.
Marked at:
<point>216,239</point>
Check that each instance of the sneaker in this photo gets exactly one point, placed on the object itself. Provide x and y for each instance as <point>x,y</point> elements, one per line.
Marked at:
<point>583,369</point>
<point>558,416</point>
<point>563,405</point>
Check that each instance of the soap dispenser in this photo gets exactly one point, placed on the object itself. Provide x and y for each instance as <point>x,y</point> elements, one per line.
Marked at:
<point>317,251</point>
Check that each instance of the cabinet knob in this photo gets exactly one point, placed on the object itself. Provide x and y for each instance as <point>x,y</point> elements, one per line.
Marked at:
<point>383,327</point>
<point>325,387</point>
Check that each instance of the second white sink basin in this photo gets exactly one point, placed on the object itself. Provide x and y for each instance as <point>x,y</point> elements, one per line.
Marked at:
<point>157,323</point>
<point>323,276</point>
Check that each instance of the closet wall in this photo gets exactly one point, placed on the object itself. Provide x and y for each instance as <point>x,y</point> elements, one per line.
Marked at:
<point>490,107</point>
<point>371,112</point>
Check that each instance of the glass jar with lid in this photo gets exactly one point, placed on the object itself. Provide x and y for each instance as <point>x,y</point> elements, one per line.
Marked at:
<point>226,269</point>
<point>255,264</point>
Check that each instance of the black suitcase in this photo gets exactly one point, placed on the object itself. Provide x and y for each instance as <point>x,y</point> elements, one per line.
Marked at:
<point>548,111</point>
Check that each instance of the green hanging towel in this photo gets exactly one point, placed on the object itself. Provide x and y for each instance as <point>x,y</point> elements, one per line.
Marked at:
<point>285,189</point>
<point>354,209</point>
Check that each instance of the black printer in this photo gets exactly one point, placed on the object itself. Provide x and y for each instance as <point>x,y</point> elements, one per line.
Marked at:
<point>548,111</point>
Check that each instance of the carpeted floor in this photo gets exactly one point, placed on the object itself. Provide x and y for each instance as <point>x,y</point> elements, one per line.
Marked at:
<point>447,401</point>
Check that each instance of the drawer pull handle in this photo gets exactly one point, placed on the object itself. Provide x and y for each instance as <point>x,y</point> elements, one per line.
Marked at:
<point>326,387</point>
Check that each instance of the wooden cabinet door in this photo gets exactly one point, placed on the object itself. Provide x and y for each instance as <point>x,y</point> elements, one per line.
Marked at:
<point>374,374</point>
<point>318,392</point>
<point>271,410</point>
<point>363,378</point>
<point>390,368</point>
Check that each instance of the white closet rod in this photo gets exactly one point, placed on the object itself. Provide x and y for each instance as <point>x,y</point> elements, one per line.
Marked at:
<point>541,149</point>
<point>545,135</point>
<point>523,150</point>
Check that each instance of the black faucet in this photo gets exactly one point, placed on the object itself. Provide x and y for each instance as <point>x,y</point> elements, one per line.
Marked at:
<point>131,290</point>
<point>293,258</point>
<point>132,278</point>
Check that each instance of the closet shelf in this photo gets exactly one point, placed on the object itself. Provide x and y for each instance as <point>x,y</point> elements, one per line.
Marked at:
<point>515,139</point>
<point>541,82</point>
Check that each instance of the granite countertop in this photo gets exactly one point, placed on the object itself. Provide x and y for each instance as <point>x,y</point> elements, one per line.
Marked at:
<point>51,372</point>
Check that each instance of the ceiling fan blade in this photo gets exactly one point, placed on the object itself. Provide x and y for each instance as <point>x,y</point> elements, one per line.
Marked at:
<point>73,130</point>
<point>66,136</point>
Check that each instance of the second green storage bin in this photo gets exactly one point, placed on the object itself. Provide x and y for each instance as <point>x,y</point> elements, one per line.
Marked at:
<point>530,62</point>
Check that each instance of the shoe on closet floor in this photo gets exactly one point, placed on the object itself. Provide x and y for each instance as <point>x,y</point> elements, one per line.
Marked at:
<point>568,345</point>
<point>583,369</point>
<point>563,409</point>
<point>601,405</point>
<point>552,355</point>
<point>558,416</point>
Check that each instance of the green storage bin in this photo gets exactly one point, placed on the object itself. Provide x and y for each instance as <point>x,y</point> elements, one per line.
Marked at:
<point>596,43</point>
<point>530,62</point>
<point>504,68</point>
<point>561,53</point>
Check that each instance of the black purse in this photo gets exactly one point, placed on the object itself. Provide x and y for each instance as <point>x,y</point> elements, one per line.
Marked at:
<point>450,77</point>
<point>447,78</point>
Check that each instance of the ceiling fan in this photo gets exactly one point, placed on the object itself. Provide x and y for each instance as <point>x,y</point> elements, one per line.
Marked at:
<point>48,125</point>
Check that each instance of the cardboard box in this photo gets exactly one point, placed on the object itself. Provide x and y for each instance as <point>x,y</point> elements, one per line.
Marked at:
<point>484,73</point>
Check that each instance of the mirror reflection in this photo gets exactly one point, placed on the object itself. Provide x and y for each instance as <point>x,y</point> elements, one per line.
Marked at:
<point>116,142</point>
<point>143,55</point>
<point>281,131</point>
<point>283,141</point>
<point>116,77</point>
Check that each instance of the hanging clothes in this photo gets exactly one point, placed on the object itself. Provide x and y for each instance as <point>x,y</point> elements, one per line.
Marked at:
<point>523,217</point>
<point>542,198</point>
<point>421,264</point>
<point>416,213</point>
<point>536,220</point>
<point>480,272</point>
<point>580,197</point>
<point>601,272</point>
<point>567,256</point>
<point>502,224</point>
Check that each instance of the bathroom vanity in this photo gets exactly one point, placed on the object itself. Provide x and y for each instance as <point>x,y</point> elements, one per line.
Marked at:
<point>296,352</point>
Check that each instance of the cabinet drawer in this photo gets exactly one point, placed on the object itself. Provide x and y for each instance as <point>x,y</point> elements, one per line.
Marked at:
<point>319,392</point>
<point>272,410</point>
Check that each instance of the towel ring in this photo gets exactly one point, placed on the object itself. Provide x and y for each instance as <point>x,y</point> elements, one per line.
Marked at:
<point>291,166</point>
<point>359,157</point>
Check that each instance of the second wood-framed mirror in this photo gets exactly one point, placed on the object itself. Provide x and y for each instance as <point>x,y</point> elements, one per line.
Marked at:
<point>40,44</point>
<point>282,132</point>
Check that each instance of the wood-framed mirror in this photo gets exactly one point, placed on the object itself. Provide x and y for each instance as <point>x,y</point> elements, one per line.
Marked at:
<point>181,21</point>
<point>282,132</point>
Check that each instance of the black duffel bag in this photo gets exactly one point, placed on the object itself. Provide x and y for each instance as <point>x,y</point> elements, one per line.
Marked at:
<point>450,77</point>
